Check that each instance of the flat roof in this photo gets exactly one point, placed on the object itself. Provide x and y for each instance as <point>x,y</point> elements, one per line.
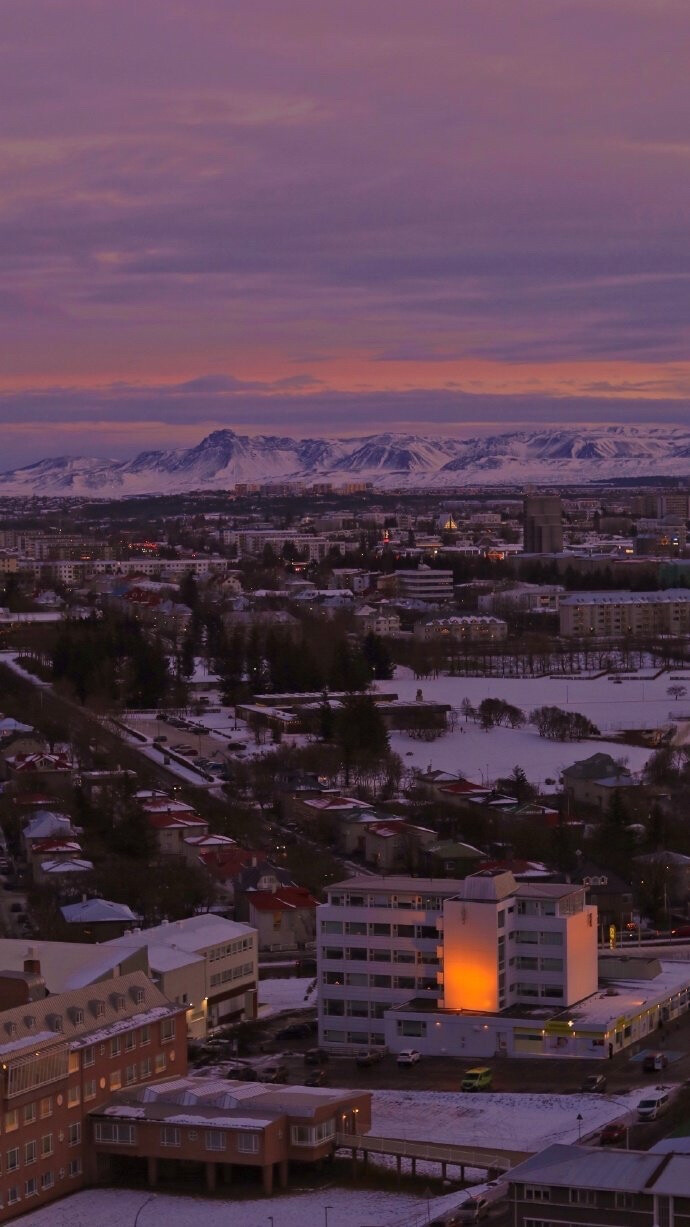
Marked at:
<point>400,885</point>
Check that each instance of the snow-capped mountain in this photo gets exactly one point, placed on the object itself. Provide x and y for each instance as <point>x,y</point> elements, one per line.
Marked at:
<point>388,460</point>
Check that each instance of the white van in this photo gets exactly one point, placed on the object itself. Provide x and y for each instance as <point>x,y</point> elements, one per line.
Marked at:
<point>653,1105</point>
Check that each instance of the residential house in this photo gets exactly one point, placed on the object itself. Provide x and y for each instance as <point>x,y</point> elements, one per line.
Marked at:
<point>98,920</point>
<point>284,918</point>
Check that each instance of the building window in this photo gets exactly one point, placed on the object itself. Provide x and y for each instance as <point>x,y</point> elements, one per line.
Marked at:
<point>160,1062</point>
<point>130,1075</point>
<point>47,1180</point>
<point>73,1096</point>
<point>144,1036</point>
<point>30,1152</point>
<point>115,1046</point>
<point>11,1120</point>
<point>312,1135</point>
<point>537,1192</point>
<point>111,1131</point>
<point>215,1139</point>
<point>88,1056</point>
<point>170,1136</point>
<point>74,1168</point>
<point>46,1145</point>
<point>115,1080</point>
<point>45,1107</point>
<point>145,1068</point>
<point>413,1027</point>
<point>629,1201</point>
<point>74,1134</point>
<point>167,1030</point>
<point>248,1143</point>
<point>31,1187</point>
<point>13,1195</point>
<point>13,1159</point>
<point>583,1197</point>
<point>130,1041</point>
<point>73,1067</point>
<point>90,1089</point>
<point>29,1113</point>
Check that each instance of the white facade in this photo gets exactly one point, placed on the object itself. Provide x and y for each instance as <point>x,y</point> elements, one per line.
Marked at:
<point>425,584</point>
<point>377,946</point>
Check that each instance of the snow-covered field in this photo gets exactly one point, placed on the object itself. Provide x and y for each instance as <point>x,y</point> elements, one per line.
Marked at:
<point>288,993</point>
<point>641,702</point>
<point>506,1121</point>
<point>346,1208</point>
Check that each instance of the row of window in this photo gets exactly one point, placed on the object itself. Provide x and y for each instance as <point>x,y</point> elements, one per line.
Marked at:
<point>360,979</point>
<point>370,1038</point>
<point>33,1186</point>
<point>44,1148</point>
<point>232,973</point>
<point>359,928</point>
<point>418,903</point>
<point>138,1035</point>
<point>234,947</point>
<point>578,1197</point>
<point>336,954</point>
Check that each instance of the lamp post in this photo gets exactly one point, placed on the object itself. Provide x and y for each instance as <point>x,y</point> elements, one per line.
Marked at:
<point>151,1197</point>
<point>325,1215</point>
<point>270,1219</point>
<point>580,1119</point>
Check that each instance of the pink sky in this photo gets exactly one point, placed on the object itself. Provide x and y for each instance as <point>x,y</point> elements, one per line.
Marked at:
<point>313,217</point>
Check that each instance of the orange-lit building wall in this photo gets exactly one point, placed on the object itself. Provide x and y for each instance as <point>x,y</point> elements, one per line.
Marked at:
<point>582,974</point>
<point>470,956</point>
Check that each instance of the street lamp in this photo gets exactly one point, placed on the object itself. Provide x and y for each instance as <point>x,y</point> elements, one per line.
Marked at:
<point>325,1214</point>
<point>270,1219</point>
<point>580,1119</point>
<point>151,1197</point>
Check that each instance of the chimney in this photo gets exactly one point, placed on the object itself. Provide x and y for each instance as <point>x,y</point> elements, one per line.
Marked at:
<point>31,963</point>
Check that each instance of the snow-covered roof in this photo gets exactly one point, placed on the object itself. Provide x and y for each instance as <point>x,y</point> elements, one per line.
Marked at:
<point>97,911</point>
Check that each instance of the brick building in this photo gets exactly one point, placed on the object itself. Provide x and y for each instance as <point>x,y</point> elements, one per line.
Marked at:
<point>60,1057</point>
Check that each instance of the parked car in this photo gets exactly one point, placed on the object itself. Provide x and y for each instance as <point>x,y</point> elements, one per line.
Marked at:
<point>471,1211</point>
<point>594,1083</point>
<point>478,1079</point>
<point>654,1061</point>
<point>272,1073</point>
<point>317,1078</point>
<point>315,1056</point>
<point>653,1106</point>
<point>613,1134</point>
<point>157,741</point>
<point>408,1056</point>
<point>364,1059</point>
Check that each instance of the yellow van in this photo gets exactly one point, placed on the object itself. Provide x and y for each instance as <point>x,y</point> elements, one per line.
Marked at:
<point>478,1079</point>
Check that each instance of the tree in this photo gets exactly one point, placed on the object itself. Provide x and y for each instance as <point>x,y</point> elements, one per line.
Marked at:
<point>360,733</point>
<point>677,691</point>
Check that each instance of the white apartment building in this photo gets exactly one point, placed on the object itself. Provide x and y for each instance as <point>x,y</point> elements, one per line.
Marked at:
<point>377,946</point>
<point>474,628</point>
<point>617,614</point>
<point>479,966</point>
<point>424,584</point>
<point>228,954</point>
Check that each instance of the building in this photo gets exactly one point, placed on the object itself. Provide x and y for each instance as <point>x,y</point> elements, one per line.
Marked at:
<point>472,628</point>
<point>506,944</point>
<point>424,584</point>
<point>600,1187</point>
<point>377,946</point>
<point>543,524</point>
<point>64,1055</point>
<point>98,920</point>
<point>284,918</point>
<point>617,615</point>
<point>226,957</point>
<point>594,781</point>
<point>223,1126</point>
<point>513,971</point>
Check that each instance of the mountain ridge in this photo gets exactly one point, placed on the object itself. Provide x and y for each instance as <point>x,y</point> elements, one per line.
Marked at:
<point>388,459</point>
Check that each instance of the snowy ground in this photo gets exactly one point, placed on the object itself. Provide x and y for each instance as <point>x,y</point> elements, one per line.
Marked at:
<point>638,703</point>
<point>510,1122</point>
<point>346,1208</point>
<point>288,993</point>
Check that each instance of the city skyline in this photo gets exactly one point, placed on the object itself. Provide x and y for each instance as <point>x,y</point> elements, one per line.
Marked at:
<point>309,221</point>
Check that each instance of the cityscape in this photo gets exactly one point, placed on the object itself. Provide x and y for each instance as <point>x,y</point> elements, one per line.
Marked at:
<point>344,614</point>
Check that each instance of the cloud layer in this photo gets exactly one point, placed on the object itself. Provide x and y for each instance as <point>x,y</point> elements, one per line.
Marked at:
<point>370,214</point>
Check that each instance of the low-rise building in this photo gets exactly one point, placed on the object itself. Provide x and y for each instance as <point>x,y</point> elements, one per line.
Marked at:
<point>224,1126</point>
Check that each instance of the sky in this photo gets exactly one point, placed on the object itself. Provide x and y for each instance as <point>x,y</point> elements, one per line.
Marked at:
<point>317,217</point>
